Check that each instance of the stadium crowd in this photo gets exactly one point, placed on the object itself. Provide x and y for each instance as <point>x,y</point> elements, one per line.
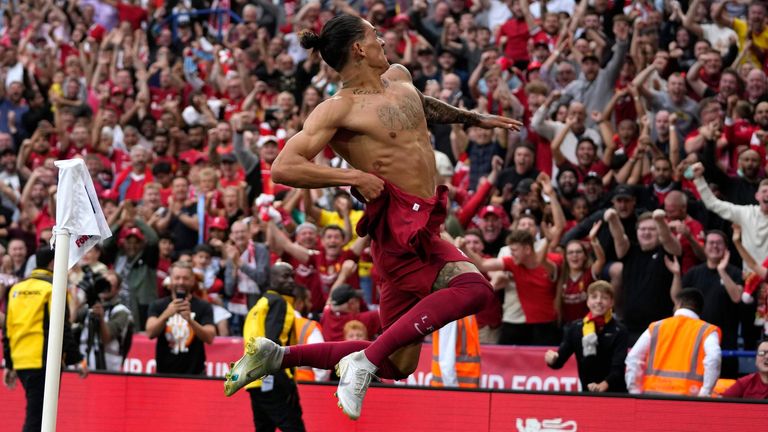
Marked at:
<point>641,164</point>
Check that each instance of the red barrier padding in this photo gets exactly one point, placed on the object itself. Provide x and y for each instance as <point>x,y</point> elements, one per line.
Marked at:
<point>137,403</point>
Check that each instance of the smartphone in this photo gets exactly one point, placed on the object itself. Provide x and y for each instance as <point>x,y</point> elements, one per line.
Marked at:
<point>181,294</point>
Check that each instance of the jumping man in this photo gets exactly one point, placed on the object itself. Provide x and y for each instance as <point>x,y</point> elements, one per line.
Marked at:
<point>378,123</point>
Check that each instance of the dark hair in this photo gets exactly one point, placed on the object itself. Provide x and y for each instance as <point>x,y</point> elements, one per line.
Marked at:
<point>332,228</point>
<point>205,248</point>
<point>717,232</point>
<point>44,256</point>
<point>521,237</point>
<point>334,40</point>
<point>691,298</point>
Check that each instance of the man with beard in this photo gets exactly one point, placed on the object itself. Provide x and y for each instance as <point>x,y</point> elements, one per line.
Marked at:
<point>652,196</point>
<point>738,189</point>
<point>181,323</point>
<point>567,186</point>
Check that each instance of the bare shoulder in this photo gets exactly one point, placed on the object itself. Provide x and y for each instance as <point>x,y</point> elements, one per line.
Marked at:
<point>398,72</point>
<point>330,113</point>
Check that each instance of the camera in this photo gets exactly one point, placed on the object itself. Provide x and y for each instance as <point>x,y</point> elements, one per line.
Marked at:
<point>92,285</point>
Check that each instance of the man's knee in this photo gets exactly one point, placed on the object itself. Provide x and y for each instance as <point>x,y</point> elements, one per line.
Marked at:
<point>482,290</point>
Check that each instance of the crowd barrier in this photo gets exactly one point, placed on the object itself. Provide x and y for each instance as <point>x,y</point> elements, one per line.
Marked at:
<point>120,403</point>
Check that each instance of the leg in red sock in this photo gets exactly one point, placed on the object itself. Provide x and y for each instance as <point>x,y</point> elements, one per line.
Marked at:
<point>327,354</point>
<point>465,295</point>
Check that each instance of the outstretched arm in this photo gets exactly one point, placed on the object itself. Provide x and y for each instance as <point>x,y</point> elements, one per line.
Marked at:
<point>439,112</point>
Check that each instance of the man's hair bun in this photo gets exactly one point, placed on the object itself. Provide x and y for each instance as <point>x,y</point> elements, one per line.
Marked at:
<point>309,40</point>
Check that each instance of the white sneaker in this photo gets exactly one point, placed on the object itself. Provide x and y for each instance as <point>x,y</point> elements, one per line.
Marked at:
<point>355,372</point>
<point>262,357</point>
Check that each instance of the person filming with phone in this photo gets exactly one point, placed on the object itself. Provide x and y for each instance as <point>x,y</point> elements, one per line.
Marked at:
<point>181,323</point>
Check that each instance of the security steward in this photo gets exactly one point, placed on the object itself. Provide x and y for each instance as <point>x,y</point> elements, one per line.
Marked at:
<point>25,337</point>
<point>456,355</point>
<point>679,355</point>
<point>275,399</point>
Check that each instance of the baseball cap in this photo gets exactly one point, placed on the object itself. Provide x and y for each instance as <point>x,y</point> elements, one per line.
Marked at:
<point>218,223</point>
<point>131,232</point>
<point>401,18</point>
<point>343,294</point>
<point>492,209</point>
<point>228,158</point>
<point>623,191</point>
<point>593,176</point>
<point>265,139</point>
<point>534,65</point>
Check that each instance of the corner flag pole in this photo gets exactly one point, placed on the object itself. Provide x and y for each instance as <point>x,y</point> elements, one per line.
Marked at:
<point>56,331</point>
<point>78,214</point>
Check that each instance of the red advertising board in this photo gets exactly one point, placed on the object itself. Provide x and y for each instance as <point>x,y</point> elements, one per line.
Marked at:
<point>118,403</point>
<point>503,367</point>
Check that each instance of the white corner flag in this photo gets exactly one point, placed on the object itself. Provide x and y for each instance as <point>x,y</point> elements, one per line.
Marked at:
<point>77,209</point>
<point>80,224</point>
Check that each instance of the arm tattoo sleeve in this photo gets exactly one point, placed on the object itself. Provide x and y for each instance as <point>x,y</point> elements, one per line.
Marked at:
<point>439,112</point>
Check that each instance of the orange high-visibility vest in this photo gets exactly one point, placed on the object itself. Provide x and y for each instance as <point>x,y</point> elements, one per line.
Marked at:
<point>467,354</point>
<point>304,328</point>
<point>675,363</point>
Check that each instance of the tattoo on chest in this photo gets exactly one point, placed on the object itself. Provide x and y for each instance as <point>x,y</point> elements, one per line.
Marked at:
<point>406,115</point>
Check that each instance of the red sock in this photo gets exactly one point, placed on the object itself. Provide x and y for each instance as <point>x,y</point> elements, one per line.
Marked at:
<point>465,295</point>
<point>327,354</point>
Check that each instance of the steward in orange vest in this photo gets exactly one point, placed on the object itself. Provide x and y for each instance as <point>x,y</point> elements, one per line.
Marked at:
<point>305,328</point>
<point>456,355</point>
<point>681,354</point>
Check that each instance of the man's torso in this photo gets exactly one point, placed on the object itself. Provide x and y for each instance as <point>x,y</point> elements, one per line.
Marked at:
<point>386,134</point>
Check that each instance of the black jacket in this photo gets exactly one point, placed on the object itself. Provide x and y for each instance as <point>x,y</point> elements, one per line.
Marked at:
<point>607,365</point>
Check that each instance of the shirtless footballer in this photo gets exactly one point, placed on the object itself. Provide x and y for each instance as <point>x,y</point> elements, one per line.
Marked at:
<point>378,123</point>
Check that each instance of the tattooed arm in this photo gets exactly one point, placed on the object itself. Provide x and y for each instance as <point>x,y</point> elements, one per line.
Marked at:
<point>439,112</point>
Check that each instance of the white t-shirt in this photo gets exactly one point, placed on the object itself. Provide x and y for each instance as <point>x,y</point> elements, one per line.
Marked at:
<point>718,36</point>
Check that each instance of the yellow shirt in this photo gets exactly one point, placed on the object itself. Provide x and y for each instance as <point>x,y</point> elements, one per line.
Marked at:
<point>334,218</point>
<point>761,41</point>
